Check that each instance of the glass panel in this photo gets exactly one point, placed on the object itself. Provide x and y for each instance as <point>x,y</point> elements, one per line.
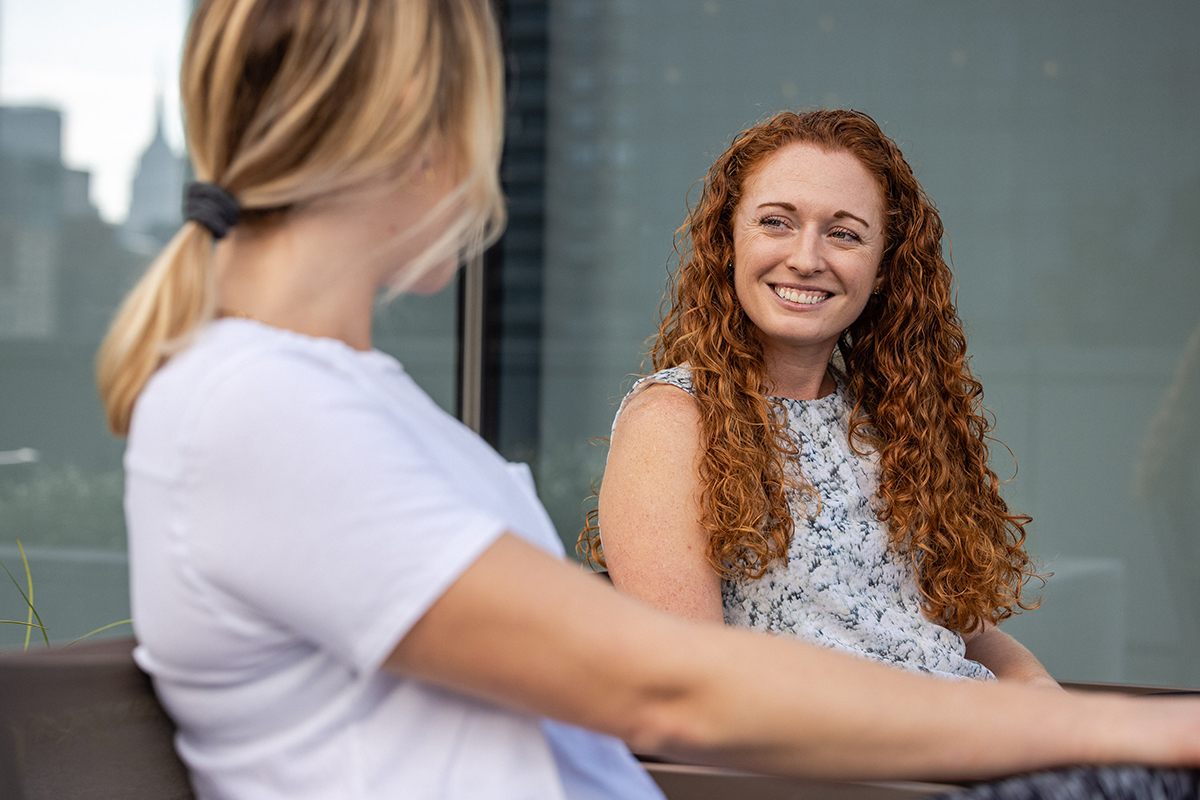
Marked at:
<point>90,184</point>
<point>1061,140</point>
<point>78,122</point>
<point>422,333</point>
<point>513,317</point>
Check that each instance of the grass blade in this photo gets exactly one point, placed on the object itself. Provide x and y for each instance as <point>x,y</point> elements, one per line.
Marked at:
<point>27,602</point>
<point>29,584</point>
<point>104,628</point>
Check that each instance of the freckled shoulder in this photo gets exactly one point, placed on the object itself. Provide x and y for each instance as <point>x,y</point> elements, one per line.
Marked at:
<point>679,377</point>
<point>661,409</point>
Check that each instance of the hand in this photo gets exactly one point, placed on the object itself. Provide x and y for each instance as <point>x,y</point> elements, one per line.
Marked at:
<point>1007,658</point>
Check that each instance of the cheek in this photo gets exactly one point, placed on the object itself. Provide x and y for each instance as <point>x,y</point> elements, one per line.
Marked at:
<point>741,286</point>
<point>753,304</point>
<point>863,289</point>
<point>860,304</point>
<point>747,259</point>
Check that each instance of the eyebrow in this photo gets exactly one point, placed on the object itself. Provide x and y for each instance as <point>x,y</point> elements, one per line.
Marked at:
<point>836,215</point>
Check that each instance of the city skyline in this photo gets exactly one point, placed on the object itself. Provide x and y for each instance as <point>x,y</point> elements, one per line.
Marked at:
<point>102,64</point>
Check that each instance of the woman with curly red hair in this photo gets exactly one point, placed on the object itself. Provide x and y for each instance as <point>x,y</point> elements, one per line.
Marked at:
<point>811,455</point>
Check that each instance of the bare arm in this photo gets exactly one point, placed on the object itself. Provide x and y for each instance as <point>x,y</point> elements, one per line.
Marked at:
<point>529,632</point>
<point>654,545</point>
<point>1007,658</point>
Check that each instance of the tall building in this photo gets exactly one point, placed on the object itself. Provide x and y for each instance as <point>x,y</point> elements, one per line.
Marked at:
<point>155,205</point>
<point>32,186</point>
<point>62,274</point>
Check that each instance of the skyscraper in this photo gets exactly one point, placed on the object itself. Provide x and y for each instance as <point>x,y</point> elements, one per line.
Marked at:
<point>155,204</point>
<point>31,209</point>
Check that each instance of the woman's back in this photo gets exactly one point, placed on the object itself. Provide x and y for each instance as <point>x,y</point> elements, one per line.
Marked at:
<point>294,506</point>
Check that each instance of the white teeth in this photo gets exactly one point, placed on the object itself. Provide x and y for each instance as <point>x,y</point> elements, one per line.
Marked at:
<point>796,296</point>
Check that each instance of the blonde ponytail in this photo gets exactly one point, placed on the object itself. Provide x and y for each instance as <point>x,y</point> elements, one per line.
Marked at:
<point>290,101</point>
<point>173,298</point>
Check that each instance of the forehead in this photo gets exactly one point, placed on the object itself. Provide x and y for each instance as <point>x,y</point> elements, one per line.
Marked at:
<point>806,174</point>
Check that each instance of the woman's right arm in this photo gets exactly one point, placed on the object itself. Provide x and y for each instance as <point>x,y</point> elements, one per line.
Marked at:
<point>529,632</point>
<point>654,545</point>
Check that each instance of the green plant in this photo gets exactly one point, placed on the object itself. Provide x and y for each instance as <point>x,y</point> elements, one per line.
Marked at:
<point>27,596</point>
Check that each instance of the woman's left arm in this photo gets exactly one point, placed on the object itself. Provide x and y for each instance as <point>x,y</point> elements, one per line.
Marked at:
<point>1006,657</point>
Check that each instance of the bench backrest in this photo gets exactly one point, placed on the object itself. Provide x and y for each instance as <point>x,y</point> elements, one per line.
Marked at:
<point>83,722</point>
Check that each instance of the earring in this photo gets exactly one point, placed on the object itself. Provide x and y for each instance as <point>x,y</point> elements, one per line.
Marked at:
<point>878,290</point>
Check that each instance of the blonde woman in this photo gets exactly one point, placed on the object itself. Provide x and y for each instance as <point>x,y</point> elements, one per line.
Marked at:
<point>342,592</point>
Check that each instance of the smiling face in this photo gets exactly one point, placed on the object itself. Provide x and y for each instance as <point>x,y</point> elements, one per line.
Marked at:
<point>808,239</point>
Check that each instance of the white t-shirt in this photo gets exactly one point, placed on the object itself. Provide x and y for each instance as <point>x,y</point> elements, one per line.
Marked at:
<point>294,507</point>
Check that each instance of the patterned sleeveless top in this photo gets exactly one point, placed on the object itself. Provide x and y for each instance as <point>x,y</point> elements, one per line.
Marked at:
<point>843,586</point>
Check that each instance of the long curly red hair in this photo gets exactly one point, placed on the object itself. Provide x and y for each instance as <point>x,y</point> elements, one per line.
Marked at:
<point>917,405</point>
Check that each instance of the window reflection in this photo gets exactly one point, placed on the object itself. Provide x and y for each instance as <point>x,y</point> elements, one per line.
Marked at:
<point>62,272</point>
<point>1059,141</point>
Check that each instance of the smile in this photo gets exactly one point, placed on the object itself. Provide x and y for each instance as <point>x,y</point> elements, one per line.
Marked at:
<point>805,298</point>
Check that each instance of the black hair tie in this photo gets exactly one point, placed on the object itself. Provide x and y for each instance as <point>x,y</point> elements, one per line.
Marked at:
<point>211,206</point>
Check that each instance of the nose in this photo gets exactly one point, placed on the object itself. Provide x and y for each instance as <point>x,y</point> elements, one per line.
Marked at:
<point>805,256</point>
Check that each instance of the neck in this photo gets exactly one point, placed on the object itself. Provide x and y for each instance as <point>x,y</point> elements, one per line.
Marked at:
<point>799,376</point>
<point>317,268</point>
<point>291,275</point>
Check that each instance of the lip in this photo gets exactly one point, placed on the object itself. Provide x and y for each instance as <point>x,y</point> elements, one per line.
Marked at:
<point>806,292</point>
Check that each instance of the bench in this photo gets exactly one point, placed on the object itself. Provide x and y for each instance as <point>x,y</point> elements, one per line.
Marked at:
<point>83,723</point>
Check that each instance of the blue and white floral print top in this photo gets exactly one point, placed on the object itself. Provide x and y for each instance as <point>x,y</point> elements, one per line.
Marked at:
<point>843,586</point>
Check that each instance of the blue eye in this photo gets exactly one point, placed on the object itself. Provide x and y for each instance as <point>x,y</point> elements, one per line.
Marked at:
<point>771,222</point>
<point>842,233</point>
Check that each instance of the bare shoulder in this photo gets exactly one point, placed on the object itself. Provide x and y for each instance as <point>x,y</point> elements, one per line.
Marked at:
<point>654,543</point>
<point>657,435</point>
<point>658,410</point>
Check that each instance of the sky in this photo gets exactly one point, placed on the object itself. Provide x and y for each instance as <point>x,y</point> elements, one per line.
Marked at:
<point>101,62</point>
